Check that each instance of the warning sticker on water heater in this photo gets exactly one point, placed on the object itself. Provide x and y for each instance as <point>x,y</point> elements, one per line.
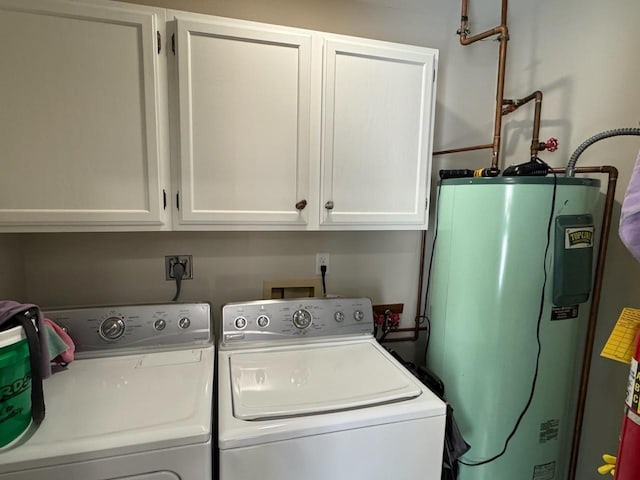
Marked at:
<point>578,237</point>
<point>565,313</point>
<point>549,430</point>
<point>546,471</point>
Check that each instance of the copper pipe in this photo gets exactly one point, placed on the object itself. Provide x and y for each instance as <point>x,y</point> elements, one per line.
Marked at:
<point>612,172</point>
<point>463,149</point>
<point>502,65</point>
<point>536,146</point>
<point>503,36</point>
<point>464,25</point>
<point>423,246</point>
<point>416,329</point>
<point>413,338</point>
<point>509,106</point>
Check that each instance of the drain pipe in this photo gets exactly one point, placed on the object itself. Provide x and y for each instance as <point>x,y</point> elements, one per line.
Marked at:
<point>503,36</point>
<point>612,172</point>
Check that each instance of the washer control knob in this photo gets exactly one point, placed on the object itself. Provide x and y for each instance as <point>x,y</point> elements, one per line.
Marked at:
<point>240,322</point>
<point>358,315</point>
<point>263,321</point>
<point>184,322</point>
<point>301,319</point>
<point>338,316</point>
<point>112,328</point>
<point>159,325</point>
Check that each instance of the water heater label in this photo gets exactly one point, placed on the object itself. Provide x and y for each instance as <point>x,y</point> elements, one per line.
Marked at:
<point>564,313</point>
<point>545,471</point>
<point>549,430</point>
<point>578,237</point>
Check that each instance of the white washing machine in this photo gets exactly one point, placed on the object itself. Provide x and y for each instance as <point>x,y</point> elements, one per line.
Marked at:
<point>136,404</point>
<point>306,392</point>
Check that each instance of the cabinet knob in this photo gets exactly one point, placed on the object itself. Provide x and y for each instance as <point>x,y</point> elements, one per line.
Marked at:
<point>301,204</point>
<point>329,205</point>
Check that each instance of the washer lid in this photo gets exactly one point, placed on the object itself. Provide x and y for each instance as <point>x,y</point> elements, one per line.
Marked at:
<point>103,407</point>
<point>271,384</point>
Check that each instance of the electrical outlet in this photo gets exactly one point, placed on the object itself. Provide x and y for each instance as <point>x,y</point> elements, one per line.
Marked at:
<point>322,259</point>
<point>171,260</point>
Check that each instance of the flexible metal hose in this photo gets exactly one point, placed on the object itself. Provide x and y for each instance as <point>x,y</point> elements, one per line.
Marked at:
<point>571,165</point>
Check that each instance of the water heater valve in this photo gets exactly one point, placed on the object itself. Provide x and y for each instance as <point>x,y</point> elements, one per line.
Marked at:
<point>551,145</point>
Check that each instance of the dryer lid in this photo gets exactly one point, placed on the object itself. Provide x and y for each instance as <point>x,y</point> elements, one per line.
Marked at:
<point>320,379</point>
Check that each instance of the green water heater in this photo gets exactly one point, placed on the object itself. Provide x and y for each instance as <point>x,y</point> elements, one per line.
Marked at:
<point>485,302</point>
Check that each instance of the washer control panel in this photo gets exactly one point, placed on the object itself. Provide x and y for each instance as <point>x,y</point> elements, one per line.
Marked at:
<point>263,321</point>
<point>103,329</point>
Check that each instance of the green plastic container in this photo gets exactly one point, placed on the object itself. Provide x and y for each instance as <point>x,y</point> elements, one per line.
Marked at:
<point>15,385</point>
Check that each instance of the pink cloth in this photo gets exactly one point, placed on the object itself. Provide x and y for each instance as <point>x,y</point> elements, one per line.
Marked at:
<point>66,356</point>
<point>629,230</point>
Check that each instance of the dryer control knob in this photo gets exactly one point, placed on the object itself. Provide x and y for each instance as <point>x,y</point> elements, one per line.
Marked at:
<point>338,316</point>
<point>358,315</point>
<point>160,324</point>
<point>112,328</point>
<point>301,319</point>
<point>240,322</point>
<point>262,321</point>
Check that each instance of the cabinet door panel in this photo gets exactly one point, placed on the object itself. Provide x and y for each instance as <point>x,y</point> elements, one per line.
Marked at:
<point>79,128</point>
<point>378,104</point>
<point>244,124</point>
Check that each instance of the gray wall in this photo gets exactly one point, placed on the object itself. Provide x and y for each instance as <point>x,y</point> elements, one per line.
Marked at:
<point>12,279</point>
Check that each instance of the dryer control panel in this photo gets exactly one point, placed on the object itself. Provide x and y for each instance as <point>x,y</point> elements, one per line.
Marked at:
<point>256,323</point>
<point>111,330</point>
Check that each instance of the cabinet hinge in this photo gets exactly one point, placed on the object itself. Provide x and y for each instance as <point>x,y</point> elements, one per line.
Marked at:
<point>178,200</point>
<point>173,43</point>
<point>434,75</point>
<point>164,199</point>
<point>159,37</point>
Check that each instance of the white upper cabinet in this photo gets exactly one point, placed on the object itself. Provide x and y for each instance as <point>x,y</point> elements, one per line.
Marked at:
<point>243,121</point>
<point>236,125</point>
<point>378,101</point>
<point>281,128</point>
<point>81,135</point>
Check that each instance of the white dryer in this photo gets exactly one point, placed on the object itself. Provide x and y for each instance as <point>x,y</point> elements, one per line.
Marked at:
<point>136,404</point>
<point>306,392</point>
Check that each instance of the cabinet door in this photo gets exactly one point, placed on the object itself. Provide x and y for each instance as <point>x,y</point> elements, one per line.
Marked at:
<point>79,125</point>
<point>377,134</point>
<point>244,124</point>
